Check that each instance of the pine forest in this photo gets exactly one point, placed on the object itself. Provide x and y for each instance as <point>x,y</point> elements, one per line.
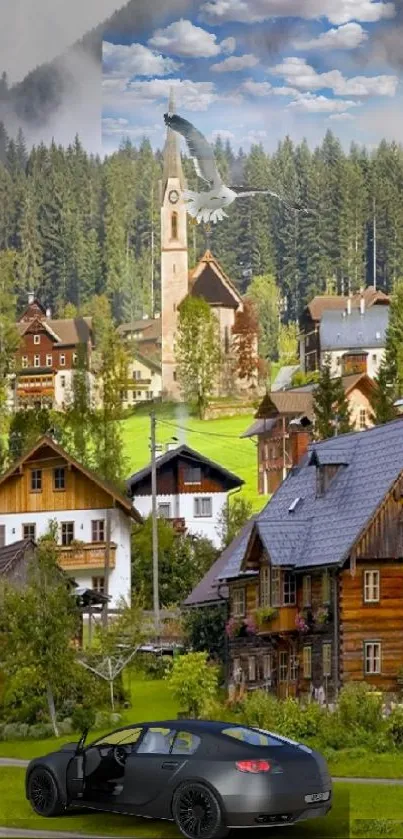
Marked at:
<point>81,226</point>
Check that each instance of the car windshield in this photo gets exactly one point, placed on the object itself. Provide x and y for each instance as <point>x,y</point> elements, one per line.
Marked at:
<point>254,737</point>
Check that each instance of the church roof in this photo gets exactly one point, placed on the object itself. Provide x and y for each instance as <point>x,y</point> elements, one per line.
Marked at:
<point>172,163</point>
<point>209,280</point>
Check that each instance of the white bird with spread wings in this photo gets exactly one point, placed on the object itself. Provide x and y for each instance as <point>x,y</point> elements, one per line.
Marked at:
<point>209,205</point>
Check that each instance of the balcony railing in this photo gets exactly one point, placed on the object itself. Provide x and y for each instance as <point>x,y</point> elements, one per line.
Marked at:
<point>283,622</point>
<point>81,557</point>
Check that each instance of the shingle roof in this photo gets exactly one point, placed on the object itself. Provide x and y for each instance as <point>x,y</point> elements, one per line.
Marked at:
<point>327,303</point>
<point>323,530</point>
<point>284,376</point>
<point>260,426</point>
<point>354,331</point>
<point>10,554</point>
<point>189,454</point>
<point>235,553</point>
<point>207,590</point>
<point>67,331</point>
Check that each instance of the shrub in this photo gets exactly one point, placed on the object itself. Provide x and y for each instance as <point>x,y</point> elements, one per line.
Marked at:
<point>261,709</point>
<point>394,727</point>
<point>193,682</point>
<point>155,666</point>
<point>102,720</point>
<point>360,707</point>
<point>66,726</point>
<point>41,731</point>
<point>15,731</point>
<point>83,717</point>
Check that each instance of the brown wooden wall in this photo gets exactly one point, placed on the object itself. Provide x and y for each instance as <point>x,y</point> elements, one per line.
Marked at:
<point>44,348</point>
<point>171,481</point>
<point>381,621</point>
<point>80,493</point>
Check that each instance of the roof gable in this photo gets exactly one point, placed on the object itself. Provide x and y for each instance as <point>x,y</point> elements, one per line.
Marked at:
<point>194,457</point>
<point>46,444</point>
<point>209,280</point>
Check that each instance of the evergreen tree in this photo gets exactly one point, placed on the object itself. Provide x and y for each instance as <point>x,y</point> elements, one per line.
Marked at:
<point>382,401</point>
<point>393,367</point>
<point>330,405</point>
<point>79,418</point>
<point>9,341</point>
<point>264,292</point>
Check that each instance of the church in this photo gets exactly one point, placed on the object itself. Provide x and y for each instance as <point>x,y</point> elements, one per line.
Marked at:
<point>207,280</point>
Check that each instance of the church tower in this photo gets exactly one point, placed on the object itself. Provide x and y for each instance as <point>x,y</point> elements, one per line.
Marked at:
<point>174,255</point>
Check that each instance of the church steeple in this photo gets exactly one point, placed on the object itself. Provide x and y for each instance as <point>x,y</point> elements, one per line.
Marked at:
<point>172,164</point>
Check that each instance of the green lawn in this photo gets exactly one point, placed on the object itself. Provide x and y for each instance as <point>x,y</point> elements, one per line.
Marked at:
<point>218,439</point>
<point>372,811</point>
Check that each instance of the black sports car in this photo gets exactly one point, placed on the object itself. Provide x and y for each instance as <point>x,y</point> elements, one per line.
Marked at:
<point>205,776</point>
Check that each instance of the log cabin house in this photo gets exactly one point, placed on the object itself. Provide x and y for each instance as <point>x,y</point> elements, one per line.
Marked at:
<point>315,581</point>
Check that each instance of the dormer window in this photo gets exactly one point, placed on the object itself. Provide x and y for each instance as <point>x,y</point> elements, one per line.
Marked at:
<point>324,477</point>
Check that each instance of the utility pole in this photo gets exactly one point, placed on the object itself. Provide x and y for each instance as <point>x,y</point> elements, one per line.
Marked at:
<point>152,249</point>
<point>107,564</point>
<point>156,601</point>
<point>374,248</point>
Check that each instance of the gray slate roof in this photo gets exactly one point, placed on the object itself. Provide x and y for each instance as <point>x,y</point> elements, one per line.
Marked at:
<point>284,376</point>
<point>322,531</point>
<point>338,330</point>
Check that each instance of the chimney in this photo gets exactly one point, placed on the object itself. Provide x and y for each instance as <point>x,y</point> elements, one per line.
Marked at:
<point>300,431</point>
<point>159,451</point>
<point>48,313</point>
<point>349,305</point>
<point>31,298</point>
<point>145,317</point>
<point>157,315</point>
<point>362,305</point>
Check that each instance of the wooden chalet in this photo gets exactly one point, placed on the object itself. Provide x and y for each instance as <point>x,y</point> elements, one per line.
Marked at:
<point>315,584</point>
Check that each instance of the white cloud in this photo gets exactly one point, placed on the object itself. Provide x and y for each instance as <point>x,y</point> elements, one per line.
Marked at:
<point>341,117</point>
<point>347,37</point>
<point>336,11</point>
<point>189,95</point>
<point>185,39</point>
<point>257,88</point>
<point>298,73</point>
<point>126,60</point>
<point>235,63</point>
<point>320,104</point>
<point>284,91</point>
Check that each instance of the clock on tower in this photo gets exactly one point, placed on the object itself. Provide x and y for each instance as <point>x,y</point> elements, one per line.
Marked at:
<point>173,196</point>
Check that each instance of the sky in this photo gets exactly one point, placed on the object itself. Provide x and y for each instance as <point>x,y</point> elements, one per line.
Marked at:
<point>256,70</point>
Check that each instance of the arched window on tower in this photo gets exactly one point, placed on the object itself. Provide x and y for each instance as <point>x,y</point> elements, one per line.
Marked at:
<point>226,340</point>
<point>174,225</point>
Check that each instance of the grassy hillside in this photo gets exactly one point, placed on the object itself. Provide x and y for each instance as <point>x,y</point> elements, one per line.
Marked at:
<point>217,439</point>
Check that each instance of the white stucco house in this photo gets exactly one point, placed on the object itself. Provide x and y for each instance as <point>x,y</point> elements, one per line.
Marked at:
<point>48,487</point>
<point>354,339</point>
<point>192,491</point>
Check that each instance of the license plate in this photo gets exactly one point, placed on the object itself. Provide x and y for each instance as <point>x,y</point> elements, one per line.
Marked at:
<point>317,796</point>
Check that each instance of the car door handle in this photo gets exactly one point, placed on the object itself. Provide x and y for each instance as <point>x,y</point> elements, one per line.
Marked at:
<point>170,764</point>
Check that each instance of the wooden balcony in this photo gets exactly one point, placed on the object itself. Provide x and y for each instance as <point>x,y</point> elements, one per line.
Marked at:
<point>81,557</point>
<point>284,622</point>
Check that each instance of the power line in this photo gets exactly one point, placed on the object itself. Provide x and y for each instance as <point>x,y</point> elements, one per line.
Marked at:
<point>194,431</point>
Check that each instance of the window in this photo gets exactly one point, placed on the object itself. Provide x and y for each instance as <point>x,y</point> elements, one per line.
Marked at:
<point>48,361</point>
<point>255,737</point>
<point>226,340</point>
<point>283,668</point>
<point>29,531</point>
<point>327,659</point>
<point>238,602</point>
<point>290,589</point>
<point>307,662</point>
<point>265,585</point>
<point>62,381</point>
<point>363,419</point>
<point>293,668</point>
<point>24,361</point>
<point>157,741</point>
<point>164,510</point>
<point>306,590</point>
<point>59,478</point>
<point>37,361</point>
<point>98,584</point>
<point>62,360</point>
<point>267,666</point>
<point>98,530</point>
<point>326,587</point>
<point>36,480</point>
<point>37,339</point>
<point>185,743</point>
<point>67,532</point>
<point>193,475</point>
<point>203,507</point>
<point>75,356</point>
<point>2,535</point>
<point>126,736</point>
<point>371,586</point>
<point>174,375</point>
<point>275,587</point>
<point>136,374</point>
<point>372,652</point>
<point>174,225</point>
<point>252,668</point>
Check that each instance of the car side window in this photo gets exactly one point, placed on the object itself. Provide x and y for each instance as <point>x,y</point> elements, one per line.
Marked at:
<point>185,743</point>
<point>157,741</point>
<point>125,736</point>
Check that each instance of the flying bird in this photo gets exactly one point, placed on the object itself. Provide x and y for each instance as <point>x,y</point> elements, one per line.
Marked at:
<point>209,205</point>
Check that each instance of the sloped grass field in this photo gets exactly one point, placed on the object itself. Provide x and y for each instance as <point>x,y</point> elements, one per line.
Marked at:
<point>218,439</point>
<point>358,811</point>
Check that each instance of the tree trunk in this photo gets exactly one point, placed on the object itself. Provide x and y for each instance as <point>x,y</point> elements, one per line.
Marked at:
<point>52,710</point>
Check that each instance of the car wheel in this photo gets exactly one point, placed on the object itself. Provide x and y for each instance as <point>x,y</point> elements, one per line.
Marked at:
<point>197,813</point>
<point>43,793</point>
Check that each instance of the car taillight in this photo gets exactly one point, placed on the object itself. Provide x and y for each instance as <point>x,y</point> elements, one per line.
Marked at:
<point>253,766</point>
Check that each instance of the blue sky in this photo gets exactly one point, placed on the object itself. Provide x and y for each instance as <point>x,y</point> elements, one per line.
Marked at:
<point>242,69</point>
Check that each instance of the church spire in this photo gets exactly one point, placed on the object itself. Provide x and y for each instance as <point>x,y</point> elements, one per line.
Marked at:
<point>172,165</point>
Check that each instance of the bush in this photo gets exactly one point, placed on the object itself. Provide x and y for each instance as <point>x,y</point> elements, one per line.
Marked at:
<point>360,707</point>
<point>261,709</point>
<point>83,717</point>
<point>394,727</point>
<point>155,666</point>
<point>41,731</point>
<point>102,719</point>
<point>15,731</point>
<point>193,682</point>
<point>66,726</point>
